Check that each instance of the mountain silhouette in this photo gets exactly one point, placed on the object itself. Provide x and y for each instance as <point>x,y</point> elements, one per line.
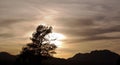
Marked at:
<point>6,58</point>
<point>97,57</point>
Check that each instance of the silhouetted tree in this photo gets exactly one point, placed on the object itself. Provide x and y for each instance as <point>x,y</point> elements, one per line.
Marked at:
<point>39,49</point>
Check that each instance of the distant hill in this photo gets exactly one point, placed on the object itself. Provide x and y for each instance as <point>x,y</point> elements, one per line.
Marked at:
<point>6,58</point>
<point>97,57</point>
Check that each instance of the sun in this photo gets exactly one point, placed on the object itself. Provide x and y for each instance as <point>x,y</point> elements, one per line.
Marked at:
<point>55,38</point>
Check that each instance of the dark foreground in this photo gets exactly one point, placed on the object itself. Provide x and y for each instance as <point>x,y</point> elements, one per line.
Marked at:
<point>101,57</point>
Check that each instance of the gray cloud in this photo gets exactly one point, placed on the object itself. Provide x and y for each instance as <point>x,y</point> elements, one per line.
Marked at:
<point>103,30</point>
<point>93,38</point>
<point>82,28</point>
<point>6,35</point>
<point>77,22</point>
<point>8,22</point>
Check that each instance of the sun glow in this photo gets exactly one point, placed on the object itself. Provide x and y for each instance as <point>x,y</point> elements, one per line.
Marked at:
<point>55,38</point>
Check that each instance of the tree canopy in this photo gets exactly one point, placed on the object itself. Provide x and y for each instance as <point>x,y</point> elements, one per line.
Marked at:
<point>40,45</point>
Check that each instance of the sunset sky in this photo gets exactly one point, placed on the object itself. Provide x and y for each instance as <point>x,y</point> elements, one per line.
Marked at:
<point>86,24</point>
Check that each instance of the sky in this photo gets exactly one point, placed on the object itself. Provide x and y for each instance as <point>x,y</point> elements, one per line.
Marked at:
<point>86,24</point>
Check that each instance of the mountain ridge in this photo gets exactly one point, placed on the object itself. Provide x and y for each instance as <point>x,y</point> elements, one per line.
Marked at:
<point>96,57</point>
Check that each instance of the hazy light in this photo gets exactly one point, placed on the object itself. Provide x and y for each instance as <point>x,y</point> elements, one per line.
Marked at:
<point>55,38</point>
